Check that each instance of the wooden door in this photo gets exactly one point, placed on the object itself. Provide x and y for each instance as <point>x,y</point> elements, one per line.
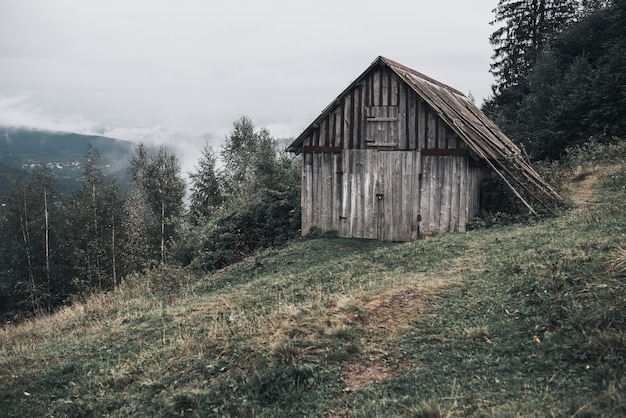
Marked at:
<point>381,198</point>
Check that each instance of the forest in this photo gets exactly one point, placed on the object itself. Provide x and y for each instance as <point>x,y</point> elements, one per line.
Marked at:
<point>560,71</point>
<point>58,247</point>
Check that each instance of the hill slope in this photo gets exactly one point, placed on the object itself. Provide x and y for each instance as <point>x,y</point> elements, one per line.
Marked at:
<point>518,320</point>
<point>21,149</point>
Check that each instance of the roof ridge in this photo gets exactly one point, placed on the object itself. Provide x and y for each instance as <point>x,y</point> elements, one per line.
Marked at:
<point>431,80</point>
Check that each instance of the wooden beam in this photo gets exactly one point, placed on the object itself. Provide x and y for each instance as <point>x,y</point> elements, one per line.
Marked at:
<point>321,150</point>
<point>445,152</point>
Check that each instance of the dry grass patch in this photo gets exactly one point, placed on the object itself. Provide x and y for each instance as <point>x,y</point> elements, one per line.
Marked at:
<point>618,265</point>
<point>384,318</point>
<point>582,189</point>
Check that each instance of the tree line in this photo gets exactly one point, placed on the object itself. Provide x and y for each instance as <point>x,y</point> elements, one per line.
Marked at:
<point>560,70</point>
<point>57,245</point>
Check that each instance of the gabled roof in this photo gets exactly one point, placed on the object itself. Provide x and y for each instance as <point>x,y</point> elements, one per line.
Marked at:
<point>470,123</point>
<point>481,135</point>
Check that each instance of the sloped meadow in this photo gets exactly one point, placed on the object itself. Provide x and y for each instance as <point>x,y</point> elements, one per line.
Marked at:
<point>521,319</point>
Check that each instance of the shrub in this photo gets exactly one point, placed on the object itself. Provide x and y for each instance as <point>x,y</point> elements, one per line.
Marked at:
<point>270,219</point>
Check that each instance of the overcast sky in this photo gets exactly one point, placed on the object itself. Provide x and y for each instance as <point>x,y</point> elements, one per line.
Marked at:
<point>189,68</point>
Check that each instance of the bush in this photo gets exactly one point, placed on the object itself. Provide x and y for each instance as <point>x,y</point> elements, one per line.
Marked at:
<point>270,219</point>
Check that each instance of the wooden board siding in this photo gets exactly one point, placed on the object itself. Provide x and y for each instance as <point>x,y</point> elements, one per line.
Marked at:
<point>450,193</point>
<point>381,194</point>
<point>382,164</point>
<point>394,118</point>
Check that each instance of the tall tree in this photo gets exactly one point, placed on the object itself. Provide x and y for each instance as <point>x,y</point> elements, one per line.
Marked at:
<point>206,187</point>
<point>261,202</point>
<point>87,208</point>
<point>159,179</point>
<point>113,216</point>
<point>575,89</point>
<point>525,26</point>
<point>136,252</point>
<point>238,153</point>
<point>166,193</point>
<point>250,161</point>
<point>96,212</point>
<point>34,241</point>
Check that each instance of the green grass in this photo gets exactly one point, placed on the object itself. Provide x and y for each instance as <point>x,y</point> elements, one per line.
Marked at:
<point>515,320</point>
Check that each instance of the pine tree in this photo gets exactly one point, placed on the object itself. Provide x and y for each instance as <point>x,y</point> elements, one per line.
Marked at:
<point>92,225</point>
<point>206,187</point>
<point>577,87</point>
<point>526,26</point>
<point>136,253</point>
<point>166,193</point>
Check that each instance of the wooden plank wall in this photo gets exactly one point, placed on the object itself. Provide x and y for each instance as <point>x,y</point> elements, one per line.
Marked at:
<point>450,193</point>
<point>345,125</point>
<point>319,198</point>
<point>372,189</point>
<point>379,194</point>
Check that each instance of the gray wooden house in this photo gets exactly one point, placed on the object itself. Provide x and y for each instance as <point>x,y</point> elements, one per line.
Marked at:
<point>398,155</point>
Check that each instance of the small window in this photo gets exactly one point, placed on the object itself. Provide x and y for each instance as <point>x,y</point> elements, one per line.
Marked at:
<point>382,126</point>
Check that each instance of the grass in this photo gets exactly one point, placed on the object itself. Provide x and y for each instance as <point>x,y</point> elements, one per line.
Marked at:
<point>515,320</point>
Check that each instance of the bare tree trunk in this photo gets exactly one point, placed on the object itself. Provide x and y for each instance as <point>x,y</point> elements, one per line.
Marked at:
<point>162,230</point>
<point>25,236</point>
<point>113,252</point>
<point>45,206</point>
<point>95,232</point>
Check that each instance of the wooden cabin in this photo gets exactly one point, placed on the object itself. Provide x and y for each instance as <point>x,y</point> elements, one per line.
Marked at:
<point>396,156</point>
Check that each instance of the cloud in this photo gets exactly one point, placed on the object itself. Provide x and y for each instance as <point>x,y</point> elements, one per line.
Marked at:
<point>19,111</point>
<point>197,65</point>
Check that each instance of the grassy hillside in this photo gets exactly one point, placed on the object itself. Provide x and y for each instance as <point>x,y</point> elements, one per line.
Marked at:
<point>518,320</point>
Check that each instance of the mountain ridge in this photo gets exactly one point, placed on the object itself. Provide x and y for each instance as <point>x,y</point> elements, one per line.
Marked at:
<point>22,148</point>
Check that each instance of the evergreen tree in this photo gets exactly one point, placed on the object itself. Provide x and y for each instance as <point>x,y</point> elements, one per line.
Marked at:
<point>526,26</point>
<point>136,252</point>
<point>113,217</point>
<point>261,202</point>
<point>250,161</point>
<point>87,224</point>
<point>238,153</point>
<point>576,88</point>
<point>140,226</point>
<point>96,217</point>
<point>165,194</point>
<point>206,187</point>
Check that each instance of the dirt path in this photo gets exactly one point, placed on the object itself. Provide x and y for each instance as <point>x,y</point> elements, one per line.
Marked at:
<point>583,186</point>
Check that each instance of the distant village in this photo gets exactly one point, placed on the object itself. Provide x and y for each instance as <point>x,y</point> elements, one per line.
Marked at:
<point>71,165</point>
<point>62,169</point>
